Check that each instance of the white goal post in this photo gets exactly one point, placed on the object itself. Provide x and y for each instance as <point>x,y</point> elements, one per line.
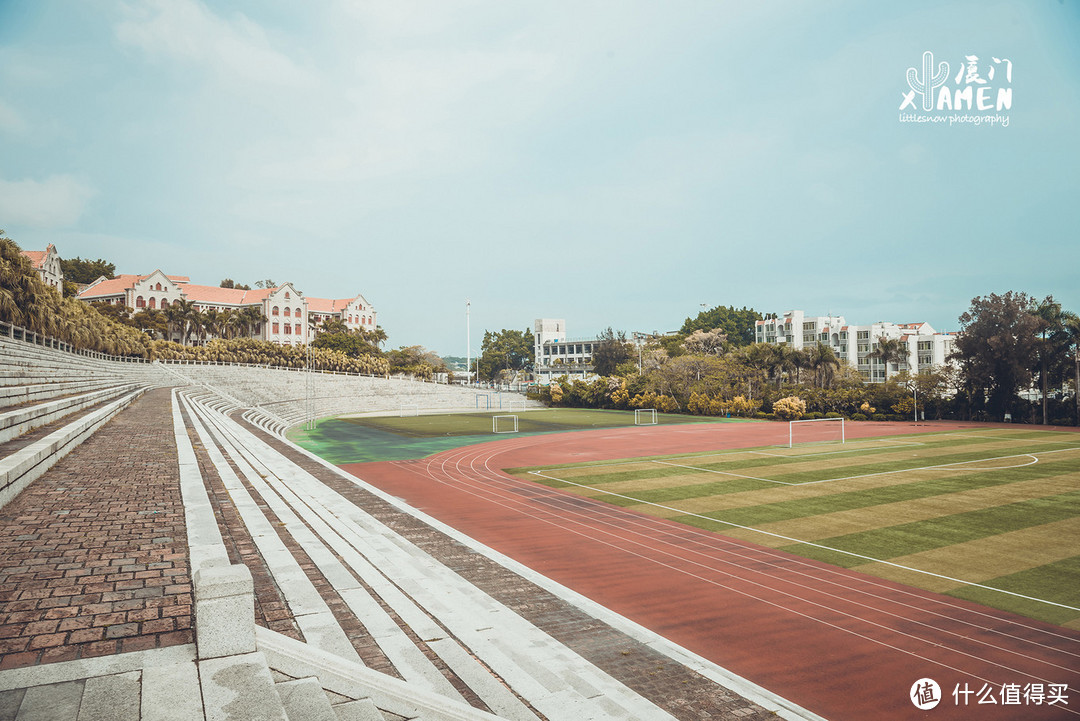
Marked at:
<point>409,409</point>
<point>826,433</point>
<point>644,416</point>
<point>495,425</point>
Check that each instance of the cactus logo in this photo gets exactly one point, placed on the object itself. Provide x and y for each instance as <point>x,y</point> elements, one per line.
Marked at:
<point>976,95</point>
<point>930,80</point>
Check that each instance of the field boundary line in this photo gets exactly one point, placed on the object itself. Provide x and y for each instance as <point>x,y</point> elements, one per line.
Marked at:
<point>811,543</point>
<point>833,453</point>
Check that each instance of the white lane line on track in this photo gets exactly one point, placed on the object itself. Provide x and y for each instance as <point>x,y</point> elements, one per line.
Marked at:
<point>866,580</point>
<point>622,547</point>
<point>782,537</point>
<point>997,619</point>
<point>443,463</point>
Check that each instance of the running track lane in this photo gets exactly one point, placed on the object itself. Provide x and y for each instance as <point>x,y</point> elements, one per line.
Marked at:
<point>839,643</point>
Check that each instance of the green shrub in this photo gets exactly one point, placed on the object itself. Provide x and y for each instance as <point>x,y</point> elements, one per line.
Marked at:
<point>879,417</point>
<point>834,414</point>
<point>858,416</point>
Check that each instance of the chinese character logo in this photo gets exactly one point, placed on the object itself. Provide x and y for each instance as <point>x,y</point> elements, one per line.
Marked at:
<point>930,80</point>
<point>925,693</point>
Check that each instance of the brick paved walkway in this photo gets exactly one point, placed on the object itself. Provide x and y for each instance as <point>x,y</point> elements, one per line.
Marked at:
<point>93,555</point>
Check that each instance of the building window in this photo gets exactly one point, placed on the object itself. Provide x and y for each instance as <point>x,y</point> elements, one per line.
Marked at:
<point>157,287</point>
<point>297,329</point>
<point>274,311</point>
<point>152,303</point>
<point>864,334</point>
<point>288,311</point>
<point>286,295</point>
<point>275,327</point>
<point>297,312</point>
<point>288,328</point>
<point>140,302</point>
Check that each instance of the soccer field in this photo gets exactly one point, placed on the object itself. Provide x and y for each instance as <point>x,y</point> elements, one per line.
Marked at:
<point>988,515</point>
<point>534,420</point>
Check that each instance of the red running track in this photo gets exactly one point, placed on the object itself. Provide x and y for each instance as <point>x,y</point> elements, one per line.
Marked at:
<point>842,644</point>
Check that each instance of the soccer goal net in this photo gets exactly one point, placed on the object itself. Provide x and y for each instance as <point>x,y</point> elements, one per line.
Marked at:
<point>409,409</point>
<point>644,416</point>
<point>518,406</point>
<point>483,401</point>
<point>815,430</point>
<point>504,424</point>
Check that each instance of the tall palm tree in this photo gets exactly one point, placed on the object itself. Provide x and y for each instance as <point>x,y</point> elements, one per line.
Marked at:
<point>252,318</point>
<point>25,300</point>
<point>824,363</point>
<point>174,320</point>
<point>1053,342</point>
<point>229,323</point>
<point>378,335</point>
<point>1072,328</point>
<point>889,350</point>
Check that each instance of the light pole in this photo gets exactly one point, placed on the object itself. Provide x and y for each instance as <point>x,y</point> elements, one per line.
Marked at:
<point>468,350</point>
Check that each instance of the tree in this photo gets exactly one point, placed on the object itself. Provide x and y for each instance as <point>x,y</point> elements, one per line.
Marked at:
<point>415,360</point>
<point>505,352</point>
<point>737,325</point>
<point>24,299</point>
<point>1072,328</point>
<point>823,361</point>
<point>888,350</point>
<point>152,320</point>
<point>265,284</point>
<point>82,271</point>
<point>251,320</point>
<point>609,350</point>
<point>230,283</point>
<point>996,349</point>
<point>1052,344</point>
<point>705,342</point>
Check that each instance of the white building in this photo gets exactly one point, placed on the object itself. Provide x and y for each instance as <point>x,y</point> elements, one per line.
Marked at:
<point>356,313</point>
<point>47,264</point>
<point>853,344</point>
<point>556,355</point>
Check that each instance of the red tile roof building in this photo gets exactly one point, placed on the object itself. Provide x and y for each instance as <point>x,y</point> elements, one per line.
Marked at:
<point>287,312</point>
<point>47,264</point>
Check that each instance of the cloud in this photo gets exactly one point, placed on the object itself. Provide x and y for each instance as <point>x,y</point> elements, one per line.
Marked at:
<point>235,49</point>
<point>55,202</point>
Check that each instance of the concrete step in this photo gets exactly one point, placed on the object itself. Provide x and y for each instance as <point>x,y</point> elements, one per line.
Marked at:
<point>239,688</point>
<point>305,700</point>
<point>361,710</point>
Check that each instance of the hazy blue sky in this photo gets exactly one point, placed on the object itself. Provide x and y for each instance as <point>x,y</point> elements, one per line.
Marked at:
<point>610,163</point>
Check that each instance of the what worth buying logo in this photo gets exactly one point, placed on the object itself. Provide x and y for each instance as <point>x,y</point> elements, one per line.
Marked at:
<point>968,97</point>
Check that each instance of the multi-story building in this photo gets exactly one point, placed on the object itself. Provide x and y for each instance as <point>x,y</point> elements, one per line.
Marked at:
<point>556,355</point>
<point>356,313</point>
<point>855,344</point>
<point>288,317</point>
<point>47,264</point>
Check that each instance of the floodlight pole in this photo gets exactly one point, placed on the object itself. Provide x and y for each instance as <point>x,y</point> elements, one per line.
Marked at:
<point>468,335</point>
<point>915,392</point>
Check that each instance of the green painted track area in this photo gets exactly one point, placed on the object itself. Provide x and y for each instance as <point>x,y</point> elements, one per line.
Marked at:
<point>392,438</point>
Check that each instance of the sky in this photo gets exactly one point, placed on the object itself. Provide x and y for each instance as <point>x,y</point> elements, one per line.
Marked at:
<point>608,163</point>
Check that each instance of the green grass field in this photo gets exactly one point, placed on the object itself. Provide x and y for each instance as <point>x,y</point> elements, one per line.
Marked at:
<point>541,420</point>
<point>969,513</point>
<point>393,438</point>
